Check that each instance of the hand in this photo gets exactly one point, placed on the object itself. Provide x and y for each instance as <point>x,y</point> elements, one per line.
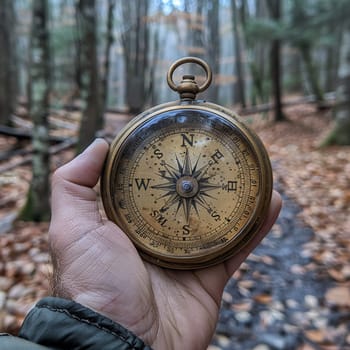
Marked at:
<point>96,265</point>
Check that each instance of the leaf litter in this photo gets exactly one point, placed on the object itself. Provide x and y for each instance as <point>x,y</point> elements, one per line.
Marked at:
<point>316,179</point>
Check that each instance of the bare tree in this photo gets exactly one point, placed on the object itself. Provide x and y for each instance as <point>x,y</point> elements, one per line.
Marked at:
<point>109,42</point>
<point>197,30</point>
<point>7,61</point>
<point>90,80</point>
<point>341,132</point>
<point>135,42</point>
<point>305,43</point>
<point>213,44</point>
<point>275,62</point>
<point>37,206</point>
<point>238,54</point>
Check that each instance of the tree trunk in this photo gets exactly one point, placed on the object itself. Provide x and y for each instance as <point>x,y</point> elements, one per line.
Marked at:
<point>333,55</point>
<point>275,63</point>
<point>312,72</point>
<point>341,132</point>
<point>135,41</point>
<point>37,207</point>
<point>240,86</point>
<point>197,32</point>
<point>156,54</point>
<point>213,46</point>
<point>77,41</point>
<point>90,81</point>
<point>276,79</point>
<point>7,62</point>
<point>305,45</point>
<point>109,42</point>
<point>259,55</point>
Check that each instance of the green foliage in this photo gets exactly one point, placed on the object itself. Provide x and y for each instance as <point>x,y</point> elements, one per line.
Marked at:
<point>305,24</point>
<point>62,38</point>
<point>265,29</point>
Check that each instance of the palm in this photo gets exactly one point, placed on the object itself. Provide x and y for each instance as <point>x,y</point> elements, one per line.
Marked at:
<point>187,311</point>
<point>189,305</point>
<point>97,265</point>
<point>163,307</point>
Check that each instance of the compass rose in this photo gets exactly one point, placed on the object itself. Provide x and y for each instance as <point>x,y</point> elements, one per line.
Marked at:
<point>187,186</point>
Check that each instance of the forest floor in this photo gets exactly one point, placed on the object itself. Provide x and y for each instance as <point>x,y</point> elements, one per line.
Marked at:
<point>293,292</point>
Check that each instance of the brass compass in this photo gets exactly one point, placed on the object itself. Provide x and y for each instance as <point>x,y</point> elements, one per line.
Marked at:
<point>187,181</point>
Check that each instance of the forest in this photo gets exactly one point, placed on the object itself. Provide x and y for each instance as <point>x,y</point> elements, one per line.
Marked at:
<point>74,70</point>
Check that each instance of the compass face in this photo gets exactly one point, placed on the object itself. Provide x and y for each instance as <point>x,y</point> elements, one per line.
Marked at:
<point>187,185</point>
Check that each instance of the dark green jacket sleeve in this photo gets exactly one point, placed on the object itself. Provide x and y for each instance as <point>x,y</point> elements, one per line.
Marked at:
<point>63,324</point>
<point>8,342</point>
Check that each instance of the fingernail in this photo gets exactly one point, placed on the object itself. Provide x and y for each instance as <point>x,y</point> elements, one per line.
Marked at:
<point>93,144</point>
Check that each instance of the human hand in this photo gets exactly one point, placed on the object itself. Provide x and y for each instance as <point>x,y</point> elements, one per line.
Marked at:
<point>96,265</point>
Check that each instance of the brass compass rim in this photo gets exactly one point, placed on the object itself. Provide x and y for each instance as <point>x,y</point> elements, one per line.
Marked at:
<point>246,232</point>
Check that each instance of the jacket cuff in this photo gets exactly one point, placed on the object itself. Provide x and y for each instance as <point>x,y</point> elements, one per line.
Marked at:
<point>65,324</point>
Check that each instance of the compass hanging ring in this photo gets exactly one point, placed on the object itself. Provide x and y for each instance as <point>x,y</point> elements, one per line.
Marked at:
<point>187,181</point>
<point>188,83</point>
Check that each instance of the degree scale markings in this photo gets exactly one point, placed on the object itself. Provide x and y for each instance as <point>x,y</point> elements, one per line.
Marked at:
<point>160,215</point>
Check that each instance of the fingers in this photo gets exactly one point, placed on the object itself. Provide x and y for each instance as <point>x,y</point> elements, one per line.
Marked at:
<point>233,263</point>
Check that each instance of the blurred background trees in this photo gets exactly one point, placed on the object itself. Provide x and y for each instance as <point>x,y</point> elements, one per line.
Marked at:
<point>110,55</point>
<point>259,50</point>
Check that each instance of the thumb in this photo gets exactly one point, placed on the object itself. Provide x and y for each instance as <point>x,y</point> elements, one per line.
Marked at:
<point>73,200</point>
<point>85,169</point>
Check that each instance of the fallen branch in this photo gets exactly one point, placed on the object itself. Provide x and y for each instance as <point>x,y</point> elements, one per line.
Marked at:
<point>62,146</point>
<point>14,153</point>
<point>10,200</point>
<point>68,143</point>
<point>22,134</point>
<point>329,97</point>
<point>76,108</point>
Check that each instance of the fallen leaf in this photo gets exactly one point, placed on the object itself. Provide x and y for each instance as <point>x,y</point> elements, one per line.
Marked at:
<point>337,275</point>
<point>306,347</point>
<point>247,306</point>
<point>263,298</point>
<point>316,335</point>
<point>339,296</point>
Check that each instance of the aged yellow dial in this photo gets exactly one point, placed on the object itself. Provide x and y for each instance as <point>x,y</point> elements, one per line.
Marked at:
<point>188,183</point>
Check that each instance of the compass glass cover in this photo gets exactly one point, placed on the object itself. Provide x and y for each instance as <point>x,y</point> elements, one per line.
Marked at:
<point>186,186</point>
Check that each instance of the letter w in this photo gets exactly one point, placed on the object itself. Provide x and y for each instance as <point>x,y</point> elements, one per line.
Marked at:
<point>142,183</point>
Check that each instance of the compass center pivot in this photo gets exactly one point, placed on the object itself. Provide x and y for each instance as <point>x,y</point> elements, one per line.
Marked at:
<point>187,187</point>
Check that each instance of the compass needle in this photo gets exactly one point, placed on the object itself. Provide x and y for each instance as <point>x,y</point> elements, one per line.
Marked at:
<point>186,168</point>
<point>208,187</point>
<point>186,203</point>
<point>171,201</point>
<point>202,171</point>
<point>173,172</point>
<point>203,203</point>
<point>187,181</point>
<point>170,193</point>
<point>179,166</point>
<point>207,195</point>
<point>194,203</point>
<point>179,205</point>
<point>166,186</point>
<point>194,173</point>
